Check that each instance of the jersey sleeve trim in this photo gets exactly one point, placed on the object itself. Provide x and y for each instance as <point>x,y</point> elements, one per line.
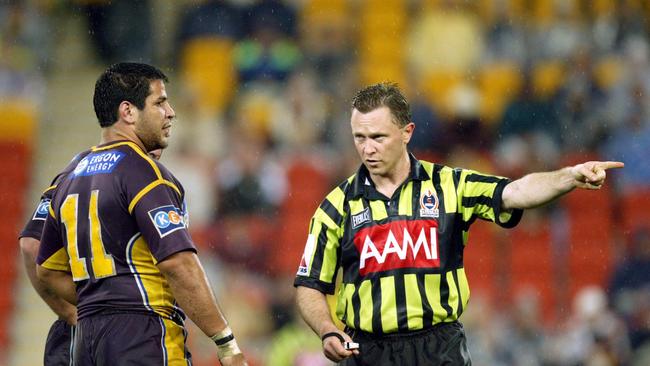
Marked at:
<point>148,188</point>
<point>58,261</point>
<point>51,211</point>
<point>326,288</point>
<point>506,219</point>
<point>49,188</point>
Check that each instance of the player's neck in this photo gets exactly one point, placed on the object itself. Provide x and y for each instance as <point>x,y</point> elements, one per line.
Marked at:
<point>116,132</point>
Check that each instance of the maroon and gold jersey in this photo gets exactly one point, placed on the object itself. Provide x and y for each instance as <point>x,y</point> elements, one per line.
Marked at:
<point>34,227</point>
<point>114,216</point>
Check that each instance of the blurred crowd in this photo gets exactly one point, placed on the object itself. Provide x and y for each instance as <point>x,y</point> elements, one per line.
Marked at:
<point>262,90</point>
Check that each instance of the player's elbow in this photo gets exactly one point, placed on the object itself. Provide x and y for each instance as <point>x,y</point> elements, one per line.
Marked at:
<point>43,274</point>
<point>29,246</point>
<point>180,265</point>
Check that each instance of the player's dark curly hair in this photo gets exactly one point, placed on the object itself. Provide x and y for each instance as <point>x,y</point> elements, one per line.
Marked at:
<point>126,81</point>
<point>384,94</point>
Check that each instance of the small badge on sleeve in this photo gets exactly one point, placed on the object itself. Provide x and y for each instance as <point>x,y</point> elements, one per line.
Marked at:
<point>167,219</point>
<point>42,210</point>
<point>303,269</point>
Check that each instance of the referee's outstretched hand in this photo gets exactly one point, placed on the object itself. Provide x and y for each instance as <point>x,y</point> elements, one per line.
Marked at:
<point>333,347</point>
<point>591,175</point>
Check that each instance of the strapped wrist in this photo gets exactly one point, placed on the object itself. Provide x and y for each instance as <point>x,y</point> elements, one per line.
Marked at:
<point>226,343</point>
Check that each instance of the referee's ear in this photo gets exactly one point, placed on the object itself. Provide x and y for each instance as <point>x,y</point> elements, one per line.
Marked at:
<point>407,132</point>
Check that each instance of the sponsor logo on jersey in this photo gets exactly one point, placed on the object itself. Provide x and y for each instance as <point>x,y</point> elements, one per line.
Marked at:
<point>429,204</point>
<point>167,219</point>
<point>361,218</point>
<point>42,209</point>
<point>303,269</point>
<point>98,163</point>
<point>398,244</point>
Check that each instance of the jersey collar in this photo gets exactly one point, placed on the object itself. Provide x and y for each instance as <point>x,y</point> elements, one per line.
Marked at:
<point>364,186</point>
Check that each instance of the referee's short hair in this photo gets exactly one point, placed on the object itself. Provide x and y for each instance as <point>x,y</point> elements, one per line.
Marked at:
<point>126,81</point>
<point>384,95</point>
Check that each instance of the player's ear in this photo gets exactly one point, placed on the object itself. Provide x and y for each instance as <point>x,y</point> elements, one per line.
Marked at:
<point>128,112</point>
<point>407,132</point>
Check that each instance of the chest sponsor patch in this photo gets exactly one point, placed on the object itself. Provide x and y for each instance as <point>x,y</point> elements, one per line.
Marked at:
<point>167,219</point>
<point>42,209</point>
<point>429,204</point>
<point>98,163</point>
<point>398,244</point>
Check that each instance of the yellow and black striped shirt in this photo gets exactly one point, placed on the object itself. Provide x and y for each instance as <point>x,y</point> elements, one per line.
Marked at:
<point>402,257</point>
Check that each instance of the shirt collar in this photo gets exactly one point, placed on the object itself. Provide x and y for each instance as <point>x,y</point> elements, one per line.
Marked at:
<point>364,186</point>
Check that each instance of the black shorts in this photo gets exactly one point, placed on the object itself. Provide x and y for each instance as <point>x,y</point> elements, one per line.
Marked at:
<point>130,339</point>
<point>58,344</point>
<point>444,344</point>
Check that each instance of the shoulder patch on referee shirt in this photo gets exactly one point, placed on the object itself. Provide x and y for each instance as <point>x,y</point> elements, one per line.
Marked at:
<point>303,269</point>
<point>167,219</point>
<point>42,209</point>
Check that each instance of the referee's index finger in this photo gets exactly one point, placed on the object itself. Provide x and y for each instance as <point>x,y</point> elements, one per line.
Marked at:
<point>610,164</point>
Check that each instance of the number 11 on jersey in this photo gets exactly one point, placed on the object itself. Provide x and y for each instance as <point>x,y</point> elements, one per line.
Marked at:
<point>102,263</point>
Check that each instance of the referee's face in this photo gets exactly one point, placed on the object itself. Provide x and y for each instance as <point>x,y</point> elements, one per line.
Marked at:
<point>380,142</point>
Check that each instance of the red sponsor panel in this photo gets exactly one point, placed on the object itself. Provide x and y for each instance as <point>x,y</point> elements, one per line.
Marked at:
<point>398,244</point>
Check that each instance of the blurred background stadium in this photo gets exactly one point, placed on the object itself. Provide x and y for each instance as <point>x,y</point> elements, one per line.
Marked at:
<point>262,89</point>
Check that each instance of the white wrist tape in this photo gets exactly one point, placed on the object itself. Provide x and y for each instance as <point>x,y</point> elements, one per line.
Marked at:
<point>226,343</point>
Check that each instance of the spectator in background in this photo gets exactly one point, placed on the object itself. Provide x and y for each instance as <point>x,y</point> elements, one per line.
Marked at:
<point>251,186</point>
<point>594,335</point>
<point>269,50</point>
<point>121,30</point>
<point>24,50</point>
<point>581,106</point>
<point>629,289</point>
<point>210,18</point>
<point>630,142</point>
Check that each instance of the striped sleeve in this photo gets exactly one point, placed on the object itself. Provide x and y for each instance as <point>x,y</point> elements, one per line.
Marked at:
<point>321,257</point>
<point>480,195</point>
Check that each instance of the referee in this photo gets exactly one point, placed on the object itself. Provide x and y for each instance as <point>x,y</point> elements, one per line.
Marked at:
<point>398,228</point>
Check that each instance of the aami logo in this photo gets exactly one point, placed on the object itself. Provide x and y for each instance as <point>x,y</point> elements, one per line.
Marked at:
<point>398,244</point>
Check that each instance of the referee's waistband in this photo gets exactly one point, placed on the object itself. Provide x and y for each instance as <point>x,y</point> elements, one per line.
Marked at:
<point>359,335</point>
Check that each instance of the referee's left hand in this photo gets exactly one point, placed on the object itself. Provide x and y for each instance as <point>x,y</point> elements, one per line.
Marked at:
<point>334,350</point>
<point>591,175</point>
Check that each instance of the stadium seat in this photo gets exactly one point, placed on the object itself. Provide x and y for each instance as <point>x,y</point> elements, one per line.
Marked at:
<point>207,68</point>
<point>531,264</point>
<point>436,87</point>
<point>548,77</point>
<point>498,84</point>
<point>308,186</point>
<point>634,207</point>
<point>481,258</point>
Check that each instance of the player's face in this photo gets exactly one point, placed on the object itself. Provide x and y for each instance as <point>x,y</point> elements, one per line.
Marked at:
<point>154,123</point>
<point>380,142</point>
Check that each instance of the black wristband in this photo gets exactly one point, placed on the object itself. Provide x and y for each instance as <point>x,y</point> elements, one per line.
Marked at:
<point>333,334</point>
<point>224,340</point>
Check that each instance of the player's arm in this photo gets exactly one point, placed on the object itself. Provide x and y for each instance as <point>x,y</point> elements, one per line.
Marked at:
<point>191,289</point>
<point>312,305</point>
<point>65,310</point>
<point>537,189</point>
<point>59,282</point>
